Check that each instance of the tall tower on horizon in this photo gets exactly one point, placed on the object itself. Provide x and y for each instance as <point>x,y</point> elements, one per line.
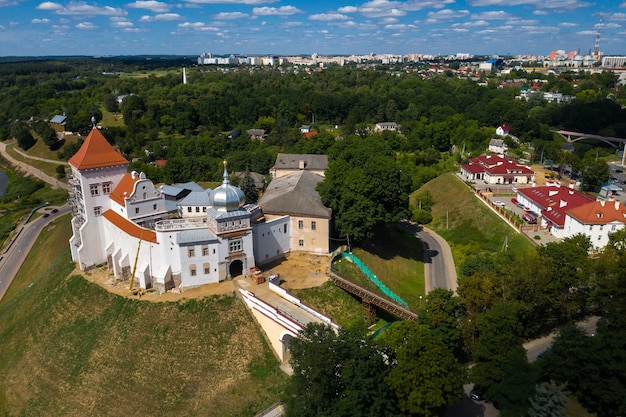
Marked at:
<point>184,75</point>
<point>596,49</point>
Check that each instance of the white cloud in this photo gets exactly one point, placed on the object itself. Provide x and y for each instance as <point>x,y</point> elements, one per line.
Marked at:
<point>276,11</point>
<point>348,9</point>
<point>471,24</point>
<point>48,5</point>
<point>81,9</point>
<point>163,17</point>
<point>132,30</point>
<point>40,21</point>
<point>610,26</point>
<point>569,5</point>
<point>328,16</point>
<point>568,24</point>
<point>400,27</point>
<point>499,15</point>
<point>154,6</point>
<point>448,14</point>
<point>522,22</point>
<point>540,13</point>
<point>86,26</point>
<point>198,26</point>
<point>230,15</point>
<point>616,16</point>
<point>120,22</point>
<point>587,32</point>
<point>247,2</point>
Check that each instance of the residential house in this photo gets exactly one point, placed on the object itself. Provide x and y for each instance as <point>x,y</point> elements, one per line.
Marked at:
<point>497,169</point>
<point>552,203</point>
<point>379,127</point>
<point>498,146</point>
<point>256,134</point>
<point>597,221</point>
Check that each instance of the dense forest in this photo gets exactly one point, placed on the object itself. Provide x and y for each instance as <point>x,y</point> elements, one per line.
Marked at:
<point>503,299</point>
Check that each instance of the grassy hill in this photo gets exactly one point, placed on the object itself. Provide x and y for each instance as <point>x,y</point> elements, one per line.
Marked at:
<point>70,348</point>
<point>467,223</point>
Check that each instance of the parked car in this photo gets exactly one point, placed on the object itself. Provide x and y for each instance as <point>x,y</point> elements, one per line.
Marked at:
<point>54,211</point>
<point>475,395</point>
<point>45,215</point>
<point>514,201</point>
<point>529,218</point>
<point>498,203</point>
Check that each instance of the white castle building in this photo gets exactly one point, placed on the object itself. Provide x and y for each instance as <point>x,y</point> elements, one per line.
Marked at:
<point>120,219</point>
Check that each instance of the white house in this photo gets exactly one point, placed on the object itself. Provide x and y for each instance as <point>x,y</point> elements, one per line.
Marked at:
<point>597,221</point>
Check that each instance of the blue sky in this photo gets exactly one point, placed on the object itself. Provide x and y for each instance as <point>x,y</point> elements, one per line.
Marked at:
<point>284,27</point>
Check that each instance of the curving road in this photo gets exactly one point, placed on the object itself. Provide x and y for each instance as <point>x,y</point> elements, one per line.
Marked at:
<point>439,266</point>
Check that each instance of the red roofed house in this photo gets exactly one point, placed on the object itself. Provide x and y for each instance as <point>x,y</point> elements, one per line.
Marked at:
<point>597,220</point>
<point>553,202</point>
<point>497,169</point>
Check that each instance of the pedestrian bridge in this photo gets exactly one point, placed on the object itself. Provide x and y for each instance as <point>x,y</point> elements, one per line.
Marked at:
<point>281,315</point>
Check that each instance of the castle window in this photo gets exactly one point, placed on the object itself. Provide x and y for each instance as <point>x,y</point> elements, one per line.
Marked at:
<point>301,242</point>
<point>313,225</point>
<point>197,209</point>
<point>188,209</point>
<point>191,252</point>
<point>97,211</point>
<point>106,188</point>
<point>300,224</point>
<point>154,207</point>
<point>207,269</point>
<point>205,250</point>
<point>234,246</point>
<point>136,210</point>
<point>285,225</point>
<point>192,270</point>
<point>95,190</point>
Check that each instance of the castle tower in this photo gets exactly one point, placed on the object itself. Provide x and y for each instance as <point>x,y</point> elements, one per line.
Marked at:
<point>96,169</point>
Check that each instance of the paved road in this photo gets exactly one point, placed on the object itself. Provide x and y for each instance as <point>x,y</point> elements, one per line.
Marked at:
<point>14,255</point>
<point>30,169</point>
<point>438,262</point>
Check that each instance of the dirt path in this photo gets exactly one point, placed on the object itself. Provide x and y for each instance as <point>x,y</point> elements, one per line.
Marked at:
<point>298,271</point>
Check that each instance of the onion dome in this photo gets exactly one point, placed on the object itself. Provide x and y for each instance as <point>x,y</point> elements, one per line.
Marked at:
<point>226,197</point>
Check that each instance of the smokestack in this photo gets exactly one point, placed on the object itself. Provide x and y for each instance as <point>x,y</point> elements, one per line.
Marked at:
<point>184,75</point>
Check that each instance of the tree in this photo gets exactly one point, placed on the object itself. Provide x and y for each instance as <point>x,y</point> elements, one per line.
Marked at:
<point>25,139</point>
<point>364,187</point>
<point>338,374</point>
<point>249,189</point>
<point>594,172</point>
<point>426,377</point>
<point>549,401</point>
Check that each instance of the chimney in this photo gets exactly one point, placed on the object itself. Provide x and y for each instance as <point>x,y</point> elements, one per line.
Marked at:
<point>602,203</point>
<point>617,205</point>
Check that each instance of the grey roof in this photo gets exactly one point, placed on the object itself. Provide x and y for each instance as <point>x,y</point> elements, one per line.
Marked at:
<point>292,161</point>
<point>259,179</point>
<point>217,214</point>
<point>196,198</point>
<point>255,132</point>
<point>58,119</point>
<point>190,186</point>
<point>171,191</point>
<point>195,236</point>
<point>295,194</point>
<point>496,142</point>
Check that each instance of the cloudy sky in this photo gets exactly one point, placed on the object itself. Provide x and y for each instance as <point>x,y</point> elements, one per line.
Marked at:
<point>286,27</point>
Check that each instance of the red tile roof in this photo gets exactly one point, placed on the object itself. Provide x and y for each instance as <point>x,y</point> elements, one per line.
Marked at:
<point>497,165</point>
<point>96,152</point>
<point>129,227</point>
<point>554,201</point>
<point>599,212</point>
<point>309,135</point>
<point>124,189</point>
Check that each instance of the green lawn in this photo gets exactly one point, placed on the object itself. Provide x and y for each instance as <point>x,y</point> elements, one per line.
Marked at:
<point>466,222</point>
<point>71,348</point>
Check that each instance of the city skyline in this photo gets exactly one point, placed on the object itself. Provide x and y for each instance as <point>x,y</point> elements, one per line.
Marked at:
<point>191,27</point>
